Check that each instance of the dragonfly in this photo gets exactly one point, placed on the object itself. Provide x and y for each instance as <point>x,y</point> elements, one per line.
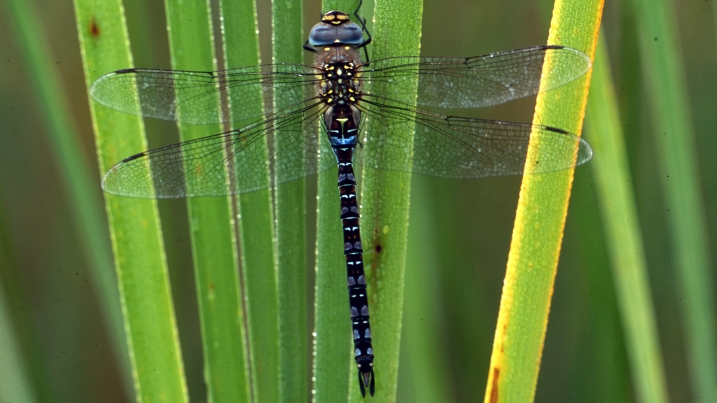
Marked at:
<point>333,96</point>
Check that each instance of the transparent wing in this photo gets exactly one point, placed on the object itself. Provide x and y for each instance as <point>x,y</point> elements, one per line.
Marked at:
<point>193,96</point>
<point>479,81</point>
<point>233,162</point>
<point>457,147</point>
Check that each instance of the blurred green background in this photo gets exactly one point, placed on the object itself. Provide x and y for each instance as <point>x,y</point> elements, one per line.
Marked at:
<point>59,338</point>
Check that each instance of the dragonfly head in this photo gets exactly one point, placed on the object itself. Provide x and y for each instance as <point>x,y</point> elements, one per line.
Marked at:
<point>336,28</point>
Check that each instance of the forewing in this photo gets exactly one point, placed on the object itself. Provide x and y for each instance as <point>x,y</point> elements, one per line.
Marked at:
<point>479,81</point>
<point>162,94</point>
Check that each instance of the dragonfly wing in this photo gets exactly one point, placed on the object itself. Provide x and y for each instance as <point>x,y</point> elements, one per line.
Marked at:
<point>479,81</point>
<point>194,96</point>
<point>228,163</point>
<point>457,147</point>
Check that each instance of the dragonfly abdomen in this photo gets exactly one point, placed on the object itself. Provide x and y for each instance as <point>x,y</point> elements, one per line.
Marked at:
<point>353,250</point>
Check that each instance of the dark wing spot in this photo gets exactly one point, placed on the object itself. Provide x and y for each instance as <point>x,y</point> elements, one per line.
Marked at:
<point>132,157</point>
<point>125,71</point>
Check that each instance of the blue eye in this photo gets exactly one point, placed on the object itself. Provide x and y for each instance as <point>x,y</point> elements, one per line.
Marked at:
<point>347,33</point>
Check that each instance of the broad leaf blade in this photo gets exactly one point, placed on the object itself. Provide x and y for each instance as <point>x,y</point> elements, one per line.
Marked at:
<point>134,224</point>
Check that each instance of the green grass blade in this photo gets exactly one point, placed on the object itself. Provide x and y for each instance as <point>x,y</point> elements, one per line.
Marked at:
<point>80,185</point>
<point>255,226</point>
<point>385,204</point>
<point>425,374</point>
<point>27,373</point>
<point>539,223</point>
<point>15,384</point>
<point>335,370</point>
<point>619,214</point>
<point>332,343</point>
<point>213,242</point>
<point>134,225</point>
<point>662,68</point>
<point>287,36</point>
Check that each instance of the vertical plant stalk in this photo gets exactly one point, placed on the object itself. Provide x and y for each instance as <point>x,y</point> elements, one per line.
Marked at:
<point>80,186</point>
<point>134,224</point>
<point>384,219</point>
<point>290,211</point>
<point>679,175</point>
<point>619,214</point>
<point>255,220</point>
<point>539,222</point>
<point>426,370</point>
<point>385,197</point>
<point>213,236</point>
<point>332,365</point>
<point>16,384</point>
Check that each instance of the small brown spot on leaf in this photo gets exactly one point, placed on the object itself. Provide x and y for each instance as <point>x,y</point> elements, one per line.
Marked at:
<point>494,388</point>
<point>94,29</point>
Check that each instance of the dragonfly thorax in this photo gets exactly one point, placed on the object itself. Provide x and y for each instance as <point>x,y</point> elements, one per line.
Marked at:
<point>339,83</point>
